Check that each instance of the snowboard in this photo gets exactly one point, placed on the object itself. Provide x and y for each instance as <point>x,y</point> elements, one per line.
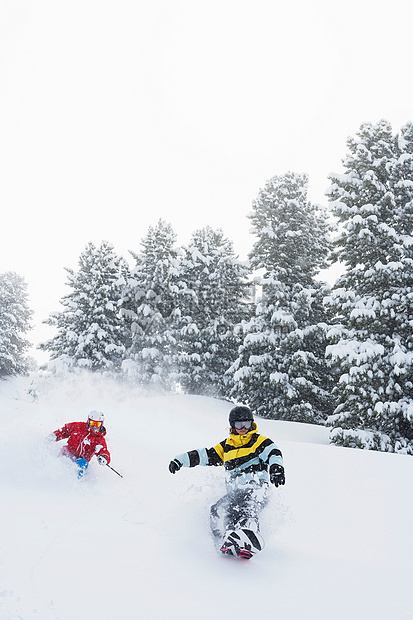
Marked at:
<point>242,543</point>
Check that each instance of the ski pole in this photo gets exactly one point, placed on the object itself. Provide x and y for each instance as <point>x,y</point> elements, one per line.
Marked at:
<point>116,472</point>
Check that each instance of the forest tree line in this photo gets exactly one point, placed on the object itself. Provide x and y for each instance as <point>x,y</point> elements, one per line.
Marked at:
<point>266,332</point>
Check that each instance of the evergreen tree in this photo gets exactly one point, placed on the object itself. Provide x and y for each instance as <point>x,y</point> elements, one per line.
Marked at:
<point>373,299</point>
<point>151,300</point>
<point>215,301</point>
<point>281,371</point>
<point>15,318</point>
<point>91,333</point>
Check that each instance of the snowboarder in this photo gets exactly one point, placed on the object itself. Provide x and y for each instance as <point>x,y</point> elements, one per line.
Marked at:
<point>251,462</point>
<point>85,439</point>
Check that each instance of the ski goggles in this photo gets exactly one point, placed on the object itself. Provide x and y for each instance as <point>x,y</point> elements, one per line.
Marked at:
<point>95,423</point>
<point>243,424</point>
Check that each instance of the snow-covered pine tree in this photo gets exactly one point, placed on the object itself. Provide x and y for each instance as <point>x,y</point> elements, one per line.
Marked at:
<point>151,304</point>
<point>215,302</point>
<point>91,334</point>
<point>15,318</point>
<point>281,371</point>
<point>373,299</point>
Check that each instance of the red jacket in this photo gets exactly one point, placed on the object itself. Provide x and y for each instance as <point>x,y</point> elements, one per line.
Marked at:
<point>83,442</point>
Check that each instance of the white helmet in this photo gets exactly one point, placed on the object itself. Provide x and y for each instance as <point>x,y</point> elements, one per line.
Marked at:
<point>96,416</point>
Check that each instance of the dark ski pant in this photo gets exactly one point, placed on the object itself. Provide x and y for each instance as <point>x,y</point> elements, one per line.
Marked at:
<point>237,509</point>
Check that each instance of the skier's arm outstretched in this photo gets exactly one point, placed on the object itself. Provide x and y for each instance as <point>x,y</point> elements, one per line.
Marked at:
<point>65,431</point>
<point>202,456</point>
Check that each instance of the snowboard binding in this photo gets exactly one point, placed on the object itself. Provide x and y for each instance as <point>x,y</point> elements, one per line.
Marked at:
<point>242,543</point>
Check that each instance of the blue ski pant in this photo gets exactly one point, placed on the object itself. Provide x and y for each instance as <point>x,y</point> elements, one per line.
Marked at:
<point>82,464</point>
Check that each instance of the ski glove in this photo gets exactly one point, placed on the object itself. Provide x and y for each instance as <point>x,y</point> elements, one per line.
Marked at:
<point>277,476</point>
<point>174,466</point>
<point>102,460</point>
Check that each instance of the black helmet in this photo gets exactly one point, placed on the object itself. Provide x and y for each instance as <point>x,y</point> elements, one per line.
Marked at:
<point>240,413</point>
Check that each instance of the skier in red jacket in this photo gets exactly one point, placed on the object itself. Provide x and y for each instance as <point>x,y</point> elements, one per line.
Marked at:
<point>85,439</point>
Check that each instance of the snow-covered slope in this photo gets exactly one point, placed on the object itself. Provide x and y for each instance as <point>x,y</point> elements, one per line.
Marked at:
<point>338,536</point>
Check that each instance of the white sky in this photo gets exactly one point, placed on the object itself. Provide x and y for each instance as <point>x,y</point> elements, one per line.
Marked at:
<point>114,113</point>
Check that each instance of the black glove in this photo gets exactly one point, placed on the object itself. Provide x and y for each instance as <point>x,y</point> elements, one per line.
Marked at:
<point>277,476</point>
<point>174,466</point>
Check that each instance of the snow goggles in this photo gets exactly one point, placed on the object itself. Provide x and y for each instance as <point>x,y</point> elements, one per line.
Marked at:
<point>243,424</point>
<point>95,423</point>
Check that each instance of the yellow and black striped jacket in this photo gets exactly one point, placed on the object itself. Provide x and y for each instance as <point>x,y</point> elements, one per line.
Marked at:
<point>246,458</point>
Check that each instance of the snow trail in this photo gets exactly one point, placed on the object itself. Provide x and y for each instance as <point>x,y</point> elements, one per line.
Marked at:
<point>338,535</point>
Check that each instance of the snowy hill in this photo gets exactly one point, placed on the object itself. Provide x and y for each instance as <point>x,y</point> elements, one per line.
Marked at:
<point>338,536</point>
